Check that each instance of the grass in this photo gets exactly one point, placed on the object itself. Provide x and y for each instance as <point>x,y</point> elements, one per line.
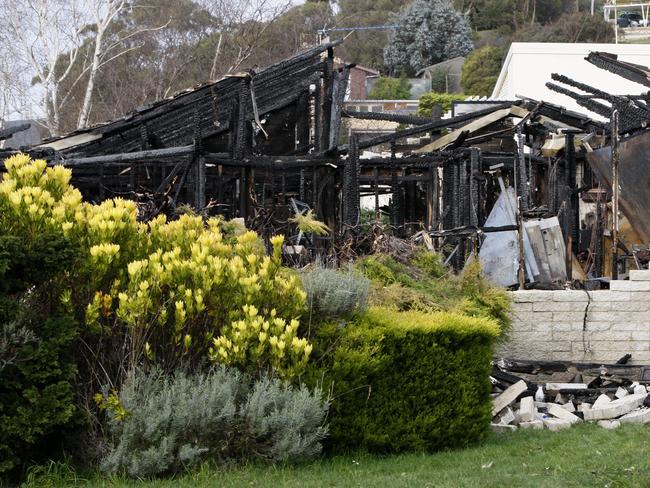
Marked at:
<point>583,456</point>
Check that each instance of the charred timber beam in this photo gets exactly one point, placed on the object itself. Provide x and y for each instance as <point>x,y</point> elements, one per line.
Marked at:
<point>470,230</point>
<point>591,105</point>
<point>561,114</point>
<point>152,154</point>
<point>438,124</point>
<point>387,179</point>
<point>611,63</point>
<point>389,117</point>
<point>622,103</point>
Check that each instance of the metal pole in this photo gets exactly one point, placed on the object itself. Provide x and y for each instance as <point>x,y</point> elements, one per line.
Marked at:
<point>615,193</point>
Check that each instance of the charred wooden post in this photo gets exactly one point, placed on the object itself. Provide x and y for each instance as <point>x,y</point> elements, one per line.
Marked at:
<point>615,192</point>
<point>397,215</point>
<point>522,183</point>
<point>199,166</point>
<point>598,241</point>
<point>303,116</point>
<point>351,184</point>
<point>573,188</point>
<point>318,117</point>
<point>375,177</point>
<point>474,204</point>
<point>328,82</point>
<point>337,99</point>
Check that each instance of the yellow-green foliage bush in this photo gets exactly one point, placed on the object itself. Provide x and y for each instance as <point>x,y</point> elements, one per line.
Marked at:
<point>423,283</point>
<point>96,293</point>
<point>407,381</point>
<point>162,291</point>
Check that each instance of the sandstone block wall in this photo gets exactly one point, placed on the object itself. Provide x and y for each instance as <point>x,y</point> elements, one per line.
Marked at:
<point>575,325</point>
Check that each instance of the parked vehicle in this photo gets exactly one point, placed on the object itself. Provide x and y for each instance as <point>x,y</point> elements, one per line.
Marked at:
<point>630,19</point>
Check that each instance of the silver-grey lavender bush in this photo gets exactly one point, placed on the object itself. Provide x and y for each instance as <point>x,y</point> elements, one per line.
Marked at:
<point>174,422</point>
<point>333,293</point>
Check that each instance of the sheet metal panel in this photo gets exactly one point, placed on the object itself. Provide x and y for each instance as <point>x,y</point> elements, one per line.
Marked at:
<point>634,178</point>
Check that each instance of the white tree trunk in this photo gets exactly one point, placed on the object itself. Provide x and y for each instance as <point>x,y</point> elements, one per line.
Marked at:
<point>84,113</point>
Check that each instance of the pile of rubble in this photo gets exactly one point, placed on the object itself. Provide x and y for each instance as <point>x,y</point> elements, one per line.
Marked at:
<point>520,402</point>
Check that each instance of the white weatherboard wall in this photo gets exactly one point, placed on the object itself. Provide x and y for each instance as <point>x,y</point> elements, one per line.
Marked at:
<point>551,325</point>
<point>529,65</point>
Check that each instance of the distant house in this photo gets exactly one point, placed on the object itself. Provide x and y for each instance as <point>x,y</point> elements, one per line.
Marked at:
<point>445,76</point>
<point>25,138</point>
<point>363,79</point>
<point>528,67</point>
<point>358,84</point>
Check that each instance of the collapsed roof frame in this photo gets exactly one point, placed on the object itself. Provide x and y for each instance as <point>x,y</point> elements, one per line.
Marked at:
<point>251,143</point>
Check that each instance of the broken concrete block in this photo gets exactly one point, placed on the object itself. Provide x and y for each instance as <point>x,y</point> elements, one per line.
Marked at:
<point>601,401</point>
<point>639,390</point>
<point>636,417</point>
<point>646,402</point>
<point>508,396</point>
<point>621,392</point>
<point>569,406</point>
<point>533,424</point>
<point>622,285</point>
<point>615,408</point>
<point>556,424</point>
<point>503,428</point>
<point>506,417</point>
<point>527,409</point>
<point>565,386</point>
<point>561,413</point>
<point>584,406</point>
<point>609,424</point>
<point>639,275</point>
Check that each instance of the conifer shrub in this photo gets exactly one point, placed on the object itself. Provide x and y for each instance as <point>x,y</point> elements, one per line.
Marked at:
<point>407,381</point>
<point>37,333</point>
<point>161,424</point>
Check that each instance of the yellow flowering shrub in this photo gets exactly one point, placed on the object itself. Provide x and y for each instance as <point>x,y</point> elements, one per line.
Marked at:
<point>162,290</point>
<point>257,343</point>
<point>35,199</point>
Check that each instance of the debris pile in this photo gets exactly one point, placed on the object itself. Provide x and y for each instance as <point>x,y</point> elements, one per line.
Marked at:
<point>556,395</point>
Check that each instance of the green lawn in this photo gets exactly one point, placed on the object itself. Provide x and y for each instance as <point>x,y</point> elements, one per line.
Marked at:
<point>584,456</point>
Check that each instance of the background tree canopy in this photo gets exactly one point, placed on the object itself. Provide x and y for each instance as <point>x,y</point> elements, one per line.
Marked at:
<point>156,51</point>
<point>481,70</point>
<point>429,31</point>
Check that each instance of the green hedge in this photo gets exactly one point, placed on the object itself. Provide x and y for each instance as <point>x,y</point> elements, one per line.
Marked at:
<point>408,381</point>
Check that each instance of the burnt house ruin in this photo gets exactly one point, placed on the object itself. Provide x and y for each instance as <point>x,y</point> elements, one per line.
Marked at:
<point>526,185</point>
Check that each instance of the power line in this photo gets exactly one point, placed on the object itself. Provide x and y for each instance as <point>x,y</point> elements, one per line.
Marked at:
<point>347,29</point>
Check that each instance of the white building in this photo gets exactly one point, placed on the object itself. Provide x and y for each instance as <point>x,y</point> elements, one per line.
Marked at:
<point>528,67</point>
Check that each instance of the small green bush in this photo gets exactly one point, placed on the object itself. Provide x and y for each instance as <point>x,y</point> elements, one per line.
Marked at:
<point>387,88</point>
<point>335,294</point>
<point>161,424</point>
<point>431,99</point>
<point>409,381</point>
